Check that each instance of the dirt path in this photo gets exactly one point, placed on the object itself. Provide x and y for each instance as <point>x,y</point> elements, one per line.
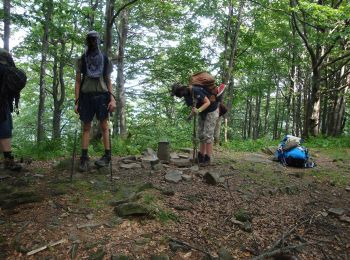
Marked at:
<point>257,207</point>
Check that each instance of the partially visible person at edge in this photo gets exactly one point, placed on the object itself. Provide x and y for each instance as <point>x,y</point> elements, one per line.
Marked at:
<point>6,124</point>
<point>93,96</point>
<point>208,113</point>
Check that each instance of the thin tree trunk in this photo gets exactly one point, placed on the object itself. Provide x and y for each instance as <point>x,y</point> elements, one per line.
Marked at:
<point>48,9</point>
<point>7,23</point>
<point>231,55</point>
<point>108,37</point>
<point>275,123</point>
<point>257,117</point>
<point>123,34</point>
<point>59,92</point>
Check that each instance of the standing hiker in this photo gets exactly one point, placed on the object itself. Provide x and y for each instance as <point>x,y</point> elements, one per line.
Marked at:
<point>93,96</point>
<point>7,99</point>
<point>207,109</point>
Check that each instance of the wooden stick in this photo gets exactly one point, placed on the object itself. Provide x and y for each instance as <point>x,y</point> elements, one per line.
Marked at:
<point>278,251</point>
<point>46,246</point>
<point>188,245</point>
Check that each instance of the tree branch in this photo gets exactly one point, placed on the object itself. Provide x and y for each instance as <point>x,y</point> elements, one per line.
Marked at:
<point>121,9</point>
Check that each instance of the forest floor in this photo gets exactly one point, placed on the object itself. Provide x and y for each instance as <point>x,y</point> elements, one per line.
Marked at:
<point>257,208</point>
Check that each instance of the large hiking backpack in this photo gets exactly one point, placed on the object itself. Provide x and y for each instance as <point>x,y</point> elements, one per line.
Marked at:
<point>13,79</point>
<point>206,81</point>
<point>291,153</point>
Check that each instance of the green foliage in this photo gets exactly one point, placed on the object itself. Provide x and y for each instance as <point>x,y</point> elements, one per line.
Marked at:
<point>328,142</point>
<point>164,216</point>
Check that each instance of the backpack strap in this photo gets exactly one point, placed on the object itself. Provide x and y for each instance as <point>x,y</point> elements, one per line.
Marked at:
<point>105,68</point>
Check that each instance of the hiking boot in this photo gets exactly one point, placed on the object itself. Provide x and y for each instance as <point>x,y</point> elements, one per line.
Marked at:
<point>10,164</point>
<point>206,161</point>
<point>199,159</point>
<point>104,161</point>
<point>84,164</point>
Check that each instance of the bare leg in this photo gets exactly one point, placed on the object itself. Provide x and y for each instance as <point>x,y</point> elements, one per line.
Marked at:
<point>86,135</point>
<point>105,133</point>
<point>5,145</point>
<point>202,148</point>
<point>209,149</point>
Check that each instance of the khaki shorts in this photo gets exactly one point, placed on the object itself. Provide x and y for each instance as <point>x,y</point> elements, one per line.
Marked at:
<point>206,127</point>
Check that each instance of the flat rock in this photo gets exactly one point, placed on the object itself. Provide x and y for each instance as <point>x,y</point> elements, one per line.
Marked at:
<point>181,162</point>
<point>158,167</point>
<point>174,156</point>
<point>149,152</point>
<point>128,209</point>
<point>186,150</point>
<point>149,162</point>
<point>130,157</point>
<point>211,178</point>
<point>195,168</point>
<point>336,211</point>
<point>130,166</point>
<point>173,176</point>
<point>186,177</point>
<point>344,218</point>
<point>347,189</point>
<point>257,158</point>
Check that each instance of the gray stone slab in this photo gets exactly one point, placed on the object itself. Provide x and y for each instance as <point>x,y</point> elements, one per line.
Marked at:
<point>130,166</point>
<point>173,176</point>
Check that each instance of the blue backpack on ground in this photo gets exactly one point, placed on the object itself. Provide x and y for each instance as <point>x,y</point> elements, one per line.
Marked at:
<point>291,153</point>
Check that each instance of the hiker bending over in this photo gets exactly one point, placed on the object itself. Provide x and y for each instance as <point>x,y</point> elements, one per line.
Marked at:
<point>208,113</point>
<point>93,96</point>
<point>6,107</point>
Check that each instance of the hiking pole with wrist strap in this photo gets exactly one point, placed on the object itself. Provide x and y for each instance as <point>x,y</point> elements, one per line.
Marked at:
<point>110,146</point>
<point>195,152</point>
<point>74,155</point>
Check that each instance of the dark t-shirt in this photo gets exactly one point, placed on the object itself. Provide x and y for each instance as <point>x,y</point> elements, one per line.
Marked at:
<point>199,94</point>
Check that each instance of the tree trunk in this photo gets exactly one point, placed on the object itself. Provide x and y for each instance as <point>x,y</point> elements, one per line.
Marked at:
<point>7,23</point>
<point>256,131</point>
<point>47,8</point>
<point>59,92</point>
<point>250,112</point>
<point>245,123</point>
<point>275,123</point>
<point>230,55</point>
<point>108,37</point>
<point>267,111</point>
<point>123,33</point>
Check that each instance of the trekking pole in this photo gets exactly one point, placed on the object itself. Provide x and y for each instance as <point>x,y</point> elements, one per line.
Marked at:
<point>110,146</point>
<point>73,155</point>
<point>195,153</point>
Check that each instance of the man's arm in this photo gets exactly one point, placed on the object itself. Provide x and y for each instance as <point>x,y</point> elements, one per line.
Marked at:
<point>77,90</point>
<point>112,103</point>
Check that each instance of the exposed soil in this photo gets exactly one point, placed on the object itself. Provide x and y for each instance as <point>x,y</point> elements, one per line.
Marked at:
<point>258,207</point>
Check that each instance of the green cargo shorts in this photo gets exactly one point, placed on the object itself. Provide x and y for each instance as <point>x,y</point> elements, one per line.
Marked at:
<point>206,126</point>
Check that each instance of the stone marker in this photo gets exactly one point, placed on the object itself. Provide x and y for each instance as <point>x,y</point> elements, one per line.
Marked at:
<point>163,152</point>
